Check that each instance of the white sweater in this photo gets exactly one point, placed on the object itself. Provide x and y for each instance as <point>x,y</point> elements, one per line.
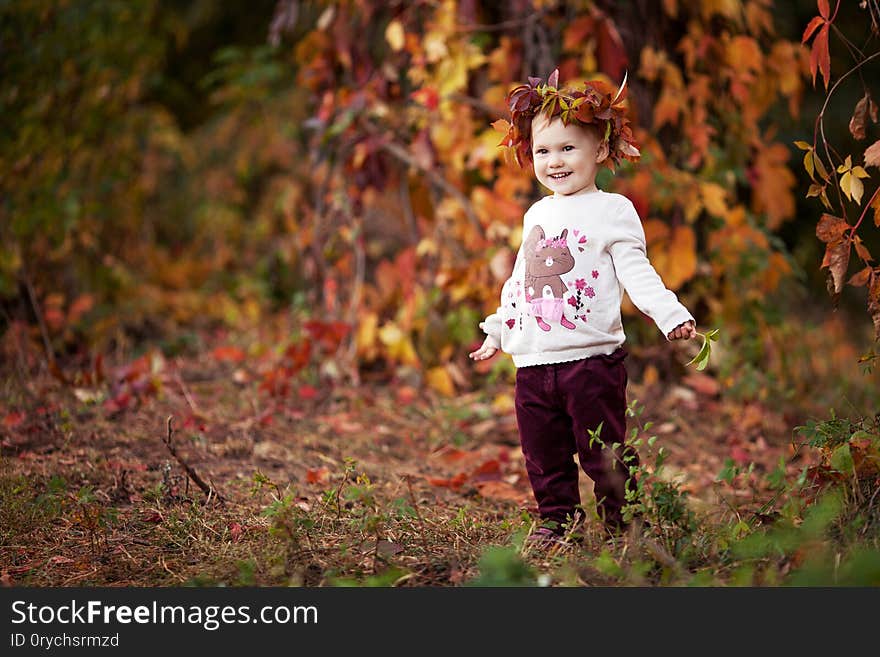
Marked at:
<point>562,301</point>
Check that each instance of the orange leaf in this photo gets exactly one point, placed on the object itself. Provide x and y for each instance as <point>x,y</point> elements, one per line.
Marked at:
<point>81,305</point>
<point>500,490</point>
<point>772,184</point>
<point>824,9</point>
<point>317,475</point>
<point>501,125</point>
<point>577,32</point>
<point>861,278</point>
<point>861,249</point>
<point>233,354</point>
<point>13,419</point>
<point>673,252</point>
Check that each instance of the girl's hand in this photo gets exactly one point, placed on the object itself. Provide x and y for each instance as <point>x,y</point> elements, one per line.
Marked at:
<point>486,350</point>
<point>684,331</point>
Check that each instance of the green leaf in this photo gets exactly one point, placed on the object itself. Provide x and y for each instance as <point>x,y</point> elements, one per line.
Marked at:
<point>701,360</point>
<point>841,459</point>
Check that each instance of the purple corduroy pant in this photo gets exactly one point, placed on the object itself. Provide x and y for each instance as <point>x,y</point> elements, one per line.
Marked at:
<point>556,407</point>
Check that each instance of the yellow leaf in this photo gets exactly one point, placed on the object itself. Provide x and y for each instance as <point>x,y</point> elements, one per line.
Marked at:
<point>714,198</point>
<point>439,379</point>
<point>845,184</point>
<point>808,162</point>
<point>398,344</point>
<point>859,172</point>
<point>846,166</point>
<point>502,404</point>
<point>395,35</point>
<point>857,188</point>
<point>804,146</point>
<point>434,44</point>
<point>366,335</point>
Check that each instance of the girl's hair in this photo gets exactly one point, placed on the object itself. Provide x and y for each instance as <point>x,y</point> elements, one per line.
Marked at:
<point>592,107</point>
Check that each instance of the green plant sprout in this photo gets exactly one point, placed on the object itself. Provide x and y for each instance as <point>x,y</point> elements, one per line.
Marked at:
<point>702,357</point>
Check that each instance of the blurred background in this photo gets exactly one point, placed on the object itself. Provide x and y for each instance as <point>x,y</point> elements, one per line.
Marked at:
<point>327,173</point>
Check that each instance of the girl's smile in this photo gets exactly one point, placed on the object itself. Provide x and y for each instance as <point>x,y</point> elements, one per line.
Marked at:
<point>566,157</point>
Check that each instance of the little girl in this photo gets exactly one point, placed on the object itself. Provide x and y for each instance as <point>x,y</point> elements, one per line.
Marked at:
<point>559,316</point>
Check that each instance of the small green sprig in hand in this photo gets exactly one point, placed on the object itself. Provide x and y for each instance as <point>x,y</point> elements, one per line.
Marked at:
<point>702,358</point>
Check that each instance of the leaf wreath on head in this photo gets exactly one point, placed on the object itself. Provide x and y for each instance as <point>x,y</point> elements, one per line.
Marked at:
<point>593,105</point>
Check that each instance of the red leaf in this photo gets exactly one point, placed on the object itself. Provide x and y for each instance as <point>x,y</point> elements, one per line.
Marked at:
<point>824,9</point>
<point>426,96</point>
<point>299,354</point>
<point>819,56</point>
<point>328,334</point>
<point>235,530</point>
<point>811,27</point>
<point>739,455</point>
<point>14,419</point>
<point>611,51</point>
<point>454,482</point>
<point>233,354</point>
<point>307,392</point>
<point>488,467</point>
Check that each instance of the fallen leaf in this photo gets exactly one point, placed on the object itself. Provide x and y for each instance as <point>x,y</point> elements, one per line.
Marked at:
<point>453,482</point>
<point>58,559</point>
<point>307,392</point>
<point>500,490</point>
<point>702,383</point>
<point>13,419</point>
<point>228,353</point>
<point>317,475</point>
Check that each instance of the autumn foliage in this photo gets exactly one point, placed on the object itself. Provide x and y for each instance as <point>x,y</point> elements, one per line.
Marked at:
<point>824,160</point>
<point>346,169</point>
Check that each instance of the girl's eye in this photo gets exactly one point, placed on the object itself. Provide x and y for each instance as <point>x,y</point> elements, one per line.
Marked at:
<point>568,148</point>
<point>540,151</point>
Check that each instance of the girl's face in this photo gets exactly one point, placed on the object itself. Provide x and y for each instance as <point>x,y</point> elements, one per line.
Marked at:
<point>566,157</point>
